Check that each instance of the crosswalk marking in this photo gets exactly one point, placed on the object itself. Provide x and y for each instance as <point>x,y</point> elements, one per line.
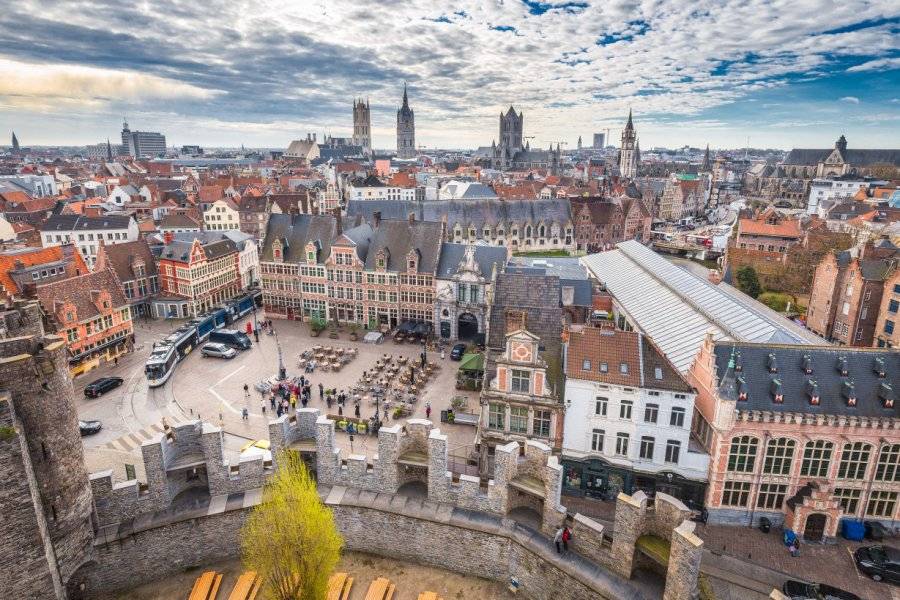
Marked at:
<point>131,441</point>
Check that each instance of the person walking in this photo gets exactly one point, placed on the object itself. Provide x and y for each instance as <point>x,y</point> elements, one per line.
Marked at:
<point>428,410</point>
<point>557,539</point>
<point>357,411</point>
<point>566,538</point>
<point>272,401</point>
<point>340,410</point>
<point>263,406</point>
<point>321,392</point>
<point>245,414</point>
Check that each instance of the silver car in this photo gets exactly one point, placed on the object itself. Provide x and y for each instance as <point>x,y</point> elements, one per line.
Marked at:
<point>218,351</point>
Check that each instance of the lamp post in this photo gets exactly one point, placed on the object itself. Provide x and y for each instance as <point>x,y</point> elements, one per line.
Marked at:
<point>255,324</point>
<point>282,372</point>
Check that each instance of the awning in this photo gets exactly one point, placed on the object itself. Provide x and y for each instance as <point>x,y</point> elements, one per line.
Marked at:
<point>472,362</point>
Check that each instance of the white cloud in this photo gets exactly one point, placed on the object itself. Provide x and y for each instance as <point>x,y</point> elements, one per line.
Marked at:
<point>876,65</point>
<point>850,99</point>
<point>34,86</point>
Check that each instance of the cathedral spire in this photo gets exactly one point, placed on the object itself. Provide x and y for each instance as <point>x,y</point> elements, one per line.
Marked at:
<point>706,163</point>
<point>405,99</point>
<point>109,155</point>
<point>629,125</point>
<point>15,142</point>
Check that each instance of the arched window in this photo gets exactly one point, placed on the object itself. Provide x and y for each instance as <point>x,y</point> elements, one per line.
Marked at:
<point>854,460</point>
<point>816,458</point>
<point>541,231</point>
<point>742,456</point>
<point>528,231</point>
<point>888,463</point>
<point>779,455</point>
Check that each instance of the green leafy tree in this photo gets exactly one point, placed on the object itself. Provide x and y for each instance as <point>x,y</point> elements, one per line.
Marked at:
<point>748,282</point>
<point>290,538</point>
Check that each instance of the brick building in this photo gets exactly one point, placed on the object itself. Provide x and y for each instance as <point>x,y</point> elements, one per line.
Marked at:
<point>521,399</point>
<point>134,266</point>
<point>599,223</point>
<point>768,232</point>
<point>846,294</point>
<point>194,276</point>
<point>26,267</point>
<point>887,328</point>
<point>253,215</point>
<point>528,301</point>
<point>371,274</point>
<point>93,316</point>
<point>804,435</point>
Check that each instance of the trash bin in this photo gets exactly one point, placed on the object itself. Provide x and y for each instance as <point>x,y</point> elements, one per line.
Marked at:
<point>765,524</point>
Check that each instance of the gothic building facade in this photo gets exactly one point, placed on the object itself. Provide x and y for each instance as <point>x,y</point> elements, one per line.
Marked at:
<point>511,154</point>
<point>629,151</point>
<point>406,129</point>
<point>362,126</point>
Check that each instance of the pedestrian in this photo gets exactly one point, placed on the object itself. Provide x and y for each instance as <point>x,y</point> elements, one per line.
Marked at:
<point>442,354</point>
<point>340,410</point>
<point>557,539</point>
<point>293,400</point>
<point>328,401</point>
<point>566,538</point>
<point>357,411</point>
<point>116,361</point>
<point>321,392</point>
<point>245,414</point>
<point>422,357</point>
<point>428,410</point>
<point>305,400</point>
<point>263,406</point>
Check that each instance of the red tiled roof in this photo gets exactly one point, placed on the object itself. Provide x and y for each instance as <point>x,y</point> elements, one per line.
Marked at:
<point>38,256</point>
<point>210,193</point>
<point>786,228</point>
<point>80,291</point>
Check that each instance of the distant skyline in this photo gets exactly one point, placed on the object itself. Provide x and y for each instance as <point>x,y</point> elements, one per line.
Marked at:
<point>232,72</point>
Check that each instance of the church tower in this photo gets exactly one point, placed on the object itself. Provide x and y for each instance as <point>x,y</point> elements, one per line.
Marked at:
<point>362,126</point>
<point>15,143</point>
<point>628,151</point>
<point>406,129</point>
<point>707,164</point>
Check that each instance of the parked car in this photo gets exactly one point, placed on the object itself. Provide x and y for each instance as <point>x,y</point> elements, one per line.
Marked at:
<point>879,562</point>
<point>98,387</point>
<point>89,427</point>
<point>798,590</point>
<point>875,531</point>
<point>218,351</point>
<point>457,352</point>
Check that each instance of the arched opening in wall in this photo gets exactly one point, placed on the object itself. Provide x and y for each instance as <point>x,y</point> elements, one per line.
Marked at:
<point>467,326</point>
<point>525,502</point>
<point>78,585</point>
<point>413,489</point>
<point>525,515</point>
<point>815,527</point>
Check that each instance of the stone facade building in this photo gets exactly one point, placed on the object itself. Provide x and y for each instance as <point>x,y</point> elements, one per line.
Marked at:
<point>628,419</point>
<point>406,129</point>
<point>807,163</point>
<point>521,399</point>
<point>462,287</point>
<point>195,276</point>
<point>684,196</point>
<point>512,154</point>
<point>362,126</point>
<point>45,498</point>
<point>802,435</point>
<point>629,151</point>
<point>370,274</point>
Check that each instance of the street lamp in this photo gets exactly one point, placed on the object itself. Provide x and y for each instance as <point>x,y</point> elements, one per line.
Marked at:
<point>282,372</point>
<point>255,324</point>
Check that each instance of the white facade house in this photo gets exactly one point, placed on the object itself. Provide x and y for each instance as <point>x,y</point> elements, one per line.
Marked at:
<point>36,186</point>
<point>87,232</point>
<point>380,192</point>
<point>222,215</point>
<point>834,188</point>
<point>123,194</point>
<point>628,418</point>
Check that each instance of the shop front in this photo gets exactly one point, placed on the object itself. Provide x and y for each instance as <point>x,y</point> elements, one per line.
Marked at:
<point>596,478</point>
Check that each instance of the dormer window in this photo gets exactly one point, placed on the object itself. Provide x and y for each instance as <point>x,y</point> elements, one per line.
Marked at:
<point>772,363</point>
<point>777,391</point>
<point>743,391</point>
<point>879,367</point>
<point>738,367</point>
<point>812,390</point>
<point>886,394</point>
<point>807,364</point>
<point>657,373</point>
<point>848,391</point>
<point>842,367</point>
<point>70,316</point>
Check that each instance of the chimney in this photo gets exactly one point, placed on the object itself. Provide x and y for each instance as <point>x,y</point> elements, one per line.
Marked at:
<point>376,219</point>
<point>411,217</point>
<point>168,237</point>
<point>339,226</point>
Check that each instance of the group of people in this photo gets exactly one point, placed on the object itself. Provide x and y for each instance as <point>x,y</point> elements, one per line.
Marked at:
<point>562,538</point>
<point>286,395</point>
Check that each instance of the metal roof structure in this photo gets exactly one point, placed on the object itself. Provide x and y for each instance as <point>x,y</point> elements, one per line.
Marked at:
<point>677,308</point>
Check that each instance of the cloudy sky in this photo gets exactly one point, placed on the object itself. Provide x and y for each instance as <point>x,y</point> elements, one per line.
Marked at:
<point>225,73</point>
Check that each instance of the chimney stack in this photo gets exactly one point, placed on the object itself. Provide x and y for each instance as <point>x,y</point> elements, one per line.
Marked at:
<point>168,237</point>
<point>411,217</point>
<point>339,226</point>
<point>376,219</point>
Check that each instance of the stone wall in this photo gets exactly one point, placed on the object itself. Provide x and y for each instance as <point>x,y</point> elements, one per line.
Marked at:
<point>409,529</point>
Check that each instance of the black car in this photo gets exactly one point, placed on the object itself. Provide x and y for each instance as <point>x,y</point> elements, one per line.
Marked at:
<point>98,387</point>
<point>90,427</point>
<point>797,590</point>
<point>457,352</point>
<point>879,562</point>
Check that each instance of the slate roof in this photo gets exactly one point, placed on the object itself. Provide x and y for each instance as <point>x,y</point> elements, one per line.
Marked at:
<point>78,290</point>
<point>401,237</point>
<point>855,157</point>
<point>614,347</point>
<point>296,231</point>
<point>475,212</point>
<point>178,221</point>
<point>120,256</point>
<point>80,222</point>
<point>486,257</point>
<point>796,385</point>
<point>180,249</point>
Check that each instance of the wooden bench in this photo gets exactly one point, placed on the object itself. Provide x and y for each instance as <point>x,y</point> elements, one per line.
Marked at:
<point>207,586</point>
<point>429,596</point>
<point>339,586</point>
<point>380,589</point>
<point>247,586</point>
